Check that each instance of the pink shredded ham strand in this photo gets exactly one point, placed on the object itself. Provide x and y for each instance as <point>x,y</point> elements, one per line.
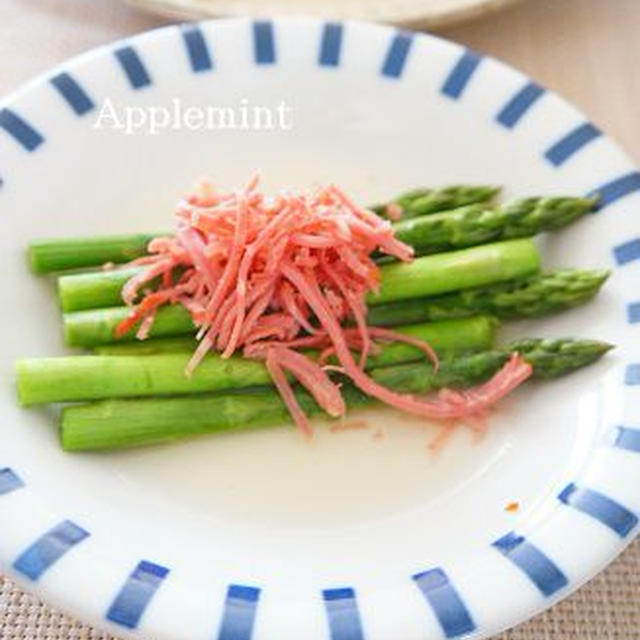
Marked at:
<point>325,392</point>
<point>394,211</point>
<point>395,336</point>
<point>255,271</point>
<point>286,391</point>
<point>130,289</point>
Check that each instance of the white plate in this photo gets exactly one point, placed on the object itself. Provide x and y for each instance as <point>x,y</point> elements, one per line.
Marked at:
<point>259,535</point>
<point>427,13</point>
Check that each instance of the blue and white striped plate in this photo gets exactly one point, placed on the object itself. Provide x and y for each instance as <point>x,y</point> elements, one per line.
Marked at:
<point>258,535</point>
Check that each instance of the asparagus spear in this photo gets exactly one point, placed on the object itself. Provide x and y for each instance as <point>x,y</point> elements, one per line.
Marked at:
<point>444,272</point>
<point>47,256</point>
<point>467,226</point>
<point>447,337</point>
<point>73,378</point>
<point>479,223</point>
<point>420,202</point>
<point>430,275</point>
<point>521,298</point>
<point>61,254</point>
<point>111,424</point>
<point>97,326</point>
<point>94,290</point>
<point>149,347</point>
<point>529,297</point>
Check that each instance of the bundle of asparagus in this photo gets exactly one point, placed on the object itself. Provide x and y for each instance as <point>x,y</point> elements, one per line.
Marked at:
<point>483,266</point>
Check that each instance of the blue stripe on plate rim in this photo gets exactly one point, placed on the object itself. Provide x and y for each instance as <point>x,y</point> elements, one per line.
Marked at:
<point>264,45</point>
<point>633,312</point>
<point>461,74</point>
<point>343,616</point>
<point>198,52</point>
<point>135,594</point>
<point>632,374</point>
<point>133,66</point>
<point>9,480</point>
<point>517,106</point>
<point>558,153</point>
<point>25,134</point>
<point>48,549</point>
<point>445,601</point>
<point>627,252</point>
<point>330,44</point>
<point>74,95</point>
<point>594,504</point>
<point>612,191</point>
<point>397,54</point>
<point>542,571</point>
<point>239,613</point>
<point>627,438</point>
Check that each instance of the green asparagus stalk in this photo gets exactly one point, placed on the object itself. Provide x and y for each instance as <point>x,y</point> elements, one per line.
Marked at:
<point>62,254</point>
<point>521,298</point>
<point>529,297</point>
<point>445,337</point>
<point>97,326</point>
<point>111,424</point>
<point>420,202</point>
<point>426,276</point>
<point>94,289</point>
<point>149,347</point>
<point>74,378</point>
<point>478,223</point>
<point>467,226</point>
<point>446,272</point>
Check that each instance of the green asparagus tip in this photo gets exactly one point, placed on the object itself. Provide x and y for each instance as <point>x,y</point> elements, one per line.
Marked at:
<point>552,358</point>
<point>594,200</point>
<point>600,275</point>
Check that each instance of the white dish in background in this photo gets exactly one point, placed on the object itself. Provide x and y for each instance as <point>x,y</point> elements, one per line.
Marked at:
<point>426,13</point>
<point>260,535</point>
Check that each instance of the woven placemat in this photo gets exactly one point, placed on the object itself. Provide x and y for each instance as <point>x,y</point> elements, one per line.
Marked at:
<point>607,608</point>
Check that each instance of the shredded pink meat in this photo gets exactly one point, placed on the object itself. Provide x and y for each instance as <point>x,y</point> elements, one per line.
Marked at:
<point>270,276</point>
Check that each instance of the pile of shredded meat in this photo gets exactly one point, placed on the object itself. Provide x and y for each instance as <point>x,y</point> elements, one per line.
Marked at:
<point>271,276</point>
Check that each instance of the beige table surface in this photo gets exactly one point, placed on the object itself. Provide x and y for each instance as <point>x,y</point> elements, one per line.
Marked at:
<point>587,50</point>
